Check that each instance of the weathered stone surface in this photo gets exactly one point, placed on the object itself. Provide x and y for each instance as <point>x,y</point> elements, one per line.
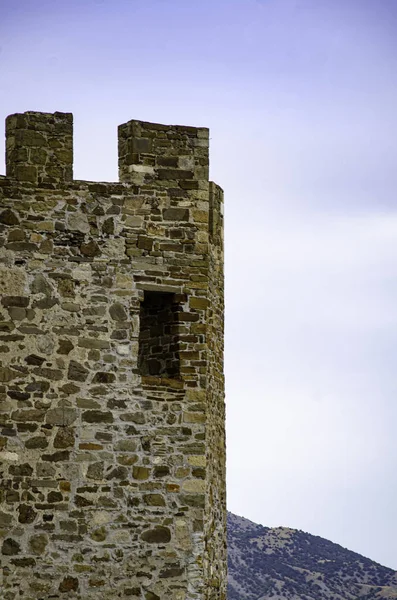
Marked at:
<point>22,247</point>
<point>78,222</point>
<point>69,584</point>
<point>5,519</point>
<point>176,214</point>
<point>70,307</point>
<point>7,374</point>
<point>158,535</point>
<point>90,249</point>
<point>99,535</point>
<point>96,416</point>
<point>21,470</point>
<point>54,497</point>
<point>66,288</point>
<point>34,359</point>
<point>95,471</point>
<point>25,416</point>
<point>38,543</point>
<point>23,562</point>
<point>52,374</point>
<point>40,285</point>
<point>57,456</point>
<point>17,314</point>
<point>117,473</point>
<point>10,547</point>
<point>108,226</point>
<point>140,473</point>
<point>161,471</point>
<point>117,312</point>
<point>13,279</point>
<point>82,502</point>
<point>47,302</point>
<point>112,448</point>
<point>6,326</point>
<point>38,386</point>
<point>45,343</point>
<point>70,389</point>
<point>128,445</point>
<point>37,442</point>
<point>62,416</point>
<point>94,343</point>
<point>8,217</point>
<point>64,438</point>
<point>154,500</point>
<point>171,572</point>
<point>65,347</point>
<point>102,377</point>
<point>21,396</point>
<point>77,372</point>
<point>21,301</point>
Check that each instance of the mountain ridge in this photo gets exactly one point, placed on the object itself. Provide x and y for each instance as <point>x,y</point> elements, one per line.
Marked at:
<point>284,563</point>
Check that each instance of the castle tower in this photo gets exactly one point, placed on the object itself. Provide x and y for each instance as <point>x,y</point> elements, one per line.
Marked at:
<point>112,445</point>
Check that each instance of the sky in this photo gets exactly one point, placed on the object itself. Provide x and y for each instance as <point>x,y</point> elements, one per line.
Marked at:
<point>300,97</point>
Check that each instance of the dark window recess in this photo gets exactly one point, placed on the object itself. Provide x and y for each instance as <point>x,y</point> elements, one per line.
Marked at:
<point>159,335</point>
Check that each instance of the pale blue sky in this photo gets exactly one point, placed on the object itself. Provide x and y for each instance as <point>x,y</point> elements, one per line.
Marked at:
<point>301,97</point>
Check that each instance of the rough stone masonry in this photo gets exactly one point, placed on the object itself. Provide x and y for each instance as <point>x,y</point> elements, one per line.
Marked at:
<point>112,439</point>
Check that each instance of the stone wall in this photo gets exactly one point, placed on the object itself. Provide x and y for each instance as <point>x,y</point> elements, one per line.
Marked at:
<point>112,471</point>
<point>215,521</point>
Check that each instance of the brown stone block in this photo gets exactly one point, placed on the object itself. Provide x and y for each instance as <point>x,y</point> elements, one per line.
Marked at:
<point>167,161</point>
<point>177,174</point>
<point>127,460</point>
<point>97,416</point>
<point>38,156</point>
<point>20,301</point>
<point>158,535</point>
<point>69,584</point>
<point>77,372</point>
<point>144,243</point>
<point>8,217</point>
<point>198,303</point>
<point>140,473</point>
<point>90,446</point>
<point>6,326</point>
<point>82,502</point>
<point>27,415</point>
<point>193,500</point>
<point>60,456</point>
<point>104,377</point>
<point>90,249</point>
<point>176,214</point>
<point>26,513</point>
<point>64,438</point>
<point>174,571</point>
<point>10,547</point>
<point>29,138</point>
<point>190,184</point>
<point>37,442</point>
<point>172,488</point>
<point>154,500</point>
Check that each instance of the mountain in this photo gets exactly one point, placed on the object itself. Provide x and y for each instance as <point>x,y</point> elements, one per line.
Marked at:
<point>280,563</point>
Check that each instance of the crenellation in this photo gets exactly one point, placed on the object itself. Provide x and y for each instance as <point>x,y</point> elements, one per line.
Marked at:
<point>112,446</point>
<point>39,147</point>
<point>176,156</point>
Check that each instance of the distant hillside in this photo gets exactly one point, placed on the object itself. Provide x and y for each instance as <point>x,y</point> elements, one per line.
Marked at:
<point>284,563</point>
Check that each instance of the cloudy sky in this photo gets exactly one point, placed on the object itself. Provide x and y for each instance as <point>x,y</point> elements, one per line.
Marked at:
<point>301,97</point>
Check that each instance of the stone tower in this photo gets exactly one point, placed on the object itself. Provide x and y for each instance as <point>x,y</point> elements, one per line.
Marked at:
<point>112,445</point>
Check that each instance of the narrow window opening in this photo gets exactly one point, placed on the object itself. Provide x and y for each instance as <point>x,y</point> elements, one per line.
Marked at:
<point>159,335</point>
